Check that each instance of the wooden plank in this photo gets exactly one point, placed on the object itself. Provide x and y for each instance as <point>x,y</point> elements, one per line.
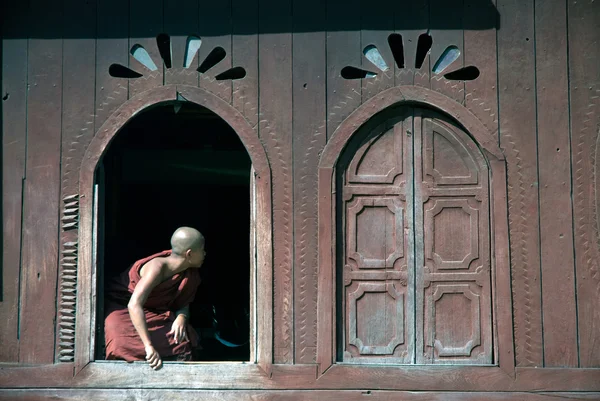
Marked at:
<point>112,47</point>
<point>584,89</point>
<point>42,186</point>
<point>411,19</point>
<point>250,377</point>
<point>180,21</point>
<point>373,20</point>
<point>14,140</point>
<point>275,129</point>
<point>145,24</point>
<point>350,395</point>
<point>446,13</point>
<point>245,53</point>
<point>309,126</point>
<point>516,73</point>
<point>481,94</point>
<point>79,48</point>
<point>554,159</point>
<point>214,18</point>
<point>343,95</point>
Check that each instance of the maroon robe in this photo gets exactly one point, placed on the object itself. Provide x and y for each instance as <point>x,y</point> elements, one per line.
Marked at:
<point>122,339</point>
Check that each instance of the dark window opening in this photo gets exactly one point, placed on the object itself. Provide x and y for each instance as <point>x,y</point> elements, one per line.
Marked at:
<point>181,165</point>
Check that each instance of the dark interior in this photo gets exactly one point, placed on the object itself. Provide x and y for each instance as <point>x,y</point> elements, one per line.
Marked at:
<point>175,165</point>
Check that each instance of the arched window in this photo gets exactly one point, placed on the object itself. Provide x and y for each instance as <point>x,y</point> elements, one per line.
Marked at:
<point>172,165</point>
<point>413,225</point>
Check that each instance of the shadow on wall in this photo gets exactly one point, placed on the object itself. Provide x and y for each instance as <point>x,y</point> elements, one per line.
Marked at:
<point>272,16</point>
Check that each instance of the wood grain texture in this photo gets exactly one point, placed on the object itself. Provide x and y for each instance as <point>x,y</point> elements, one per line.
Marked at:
<point>77,131</point>
<point>250,377</point>
<point>244,53</point>
<point>42,187</point>
<point>214,16</point>
<point>584,88</point>
<point>350,395</point>
<point>343,95</point>
<point>179,22</point>
<point>373,17</point>
<point>556,214</point>
<point>518,137</point>
<point>309,126</point>
<point>14,141</point>
<point>275,130</point>
<point>442,12</point>
<point>112,47</point>
<point>410,20</point>
<point>145,23</point>
<point>481,94</point>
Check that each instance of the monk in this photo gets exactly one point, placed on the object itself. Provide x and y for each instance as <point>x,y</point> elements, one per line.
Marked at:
<point>147,306</point>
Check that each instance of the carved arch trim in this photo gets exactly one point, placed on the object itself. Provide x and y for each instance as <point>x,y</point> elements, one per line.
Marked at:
<point>85,318</point>
<point>484,139</point>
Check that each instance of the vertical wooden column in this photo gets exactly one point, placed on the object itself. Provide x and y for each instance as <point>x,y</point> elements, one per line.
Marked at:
<point>584,90</point>
<point>78,89</point>
<point>42,184</point>
<point>556,215</point>
<point>275,130</point>
<point>309,129</point>
<point>517,114</point>
<point>14,141</point>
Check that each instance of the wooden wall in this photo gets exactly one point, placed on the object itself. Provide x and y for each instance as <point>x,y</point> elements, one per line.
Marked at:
<point>538,92</point>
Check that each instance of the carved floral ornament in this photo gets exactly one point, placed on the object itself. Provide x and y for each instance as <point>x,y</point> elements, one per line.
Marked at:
<point>163,42</point>
<point>396,45</point>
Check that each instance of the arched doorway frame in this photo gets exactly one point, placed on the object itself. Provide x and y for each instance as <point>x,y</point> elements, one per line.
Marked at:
<point>86,306</point>
<point>501,294</point>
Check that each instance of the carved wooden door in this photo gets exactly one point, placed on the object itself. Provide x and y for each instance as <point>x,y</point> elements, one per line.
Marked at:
<point>416,250</point>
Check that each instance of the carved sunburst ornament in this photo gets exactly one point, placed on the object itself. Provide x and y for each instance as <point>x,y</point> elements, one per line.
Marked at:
<point>163,42</point>
<point>446,59</point>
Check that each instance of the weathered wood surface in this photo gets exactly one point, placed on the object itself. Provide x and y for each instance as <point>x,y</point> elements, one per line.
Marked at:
<point>556,217</point>
<point>275,129</point>
<point>251,377</point>
<point>14,142</point>
<point>245,54</point>
<point>584,89</point>
<point>350,395</point>
<point>145,24</point>
<point>180,21</point>
<point>42,187</point>
<point>77,130</point>
<point>309,138</point>
<point>516,71</point>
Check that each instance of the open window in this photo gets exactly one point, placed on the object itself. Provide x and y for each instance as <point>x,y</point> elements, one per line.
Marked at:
<point>414,274</point>
<point>179,164</point>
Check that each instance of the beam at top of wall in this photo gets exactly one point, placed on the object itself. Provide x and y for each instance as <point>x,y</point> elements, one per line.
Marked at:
<point>484,8</point>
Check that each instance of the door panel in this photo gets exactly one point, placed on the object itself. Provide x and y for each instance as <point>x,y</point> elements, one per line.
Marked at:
<point>453,289</point>
<point>378,306</point>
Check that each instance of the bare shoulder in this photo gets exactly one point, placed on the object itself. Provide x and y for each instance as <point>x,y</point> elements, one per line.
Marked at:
<point>155,267</point>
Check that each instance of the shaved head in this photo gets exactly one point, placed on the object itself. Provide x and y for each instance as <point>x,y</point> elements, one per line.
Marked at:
<point>186,238</point>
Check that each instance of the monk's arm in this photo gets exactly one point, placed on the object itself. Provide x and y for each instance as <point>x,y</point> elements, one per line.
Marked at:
<point>185,311</point>
<point>151,278</point>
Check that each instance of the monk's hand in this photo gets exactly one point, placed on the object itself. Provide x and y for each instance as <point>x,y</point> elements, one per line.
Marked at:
<point>153,358</point>
<point>178,329</point>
